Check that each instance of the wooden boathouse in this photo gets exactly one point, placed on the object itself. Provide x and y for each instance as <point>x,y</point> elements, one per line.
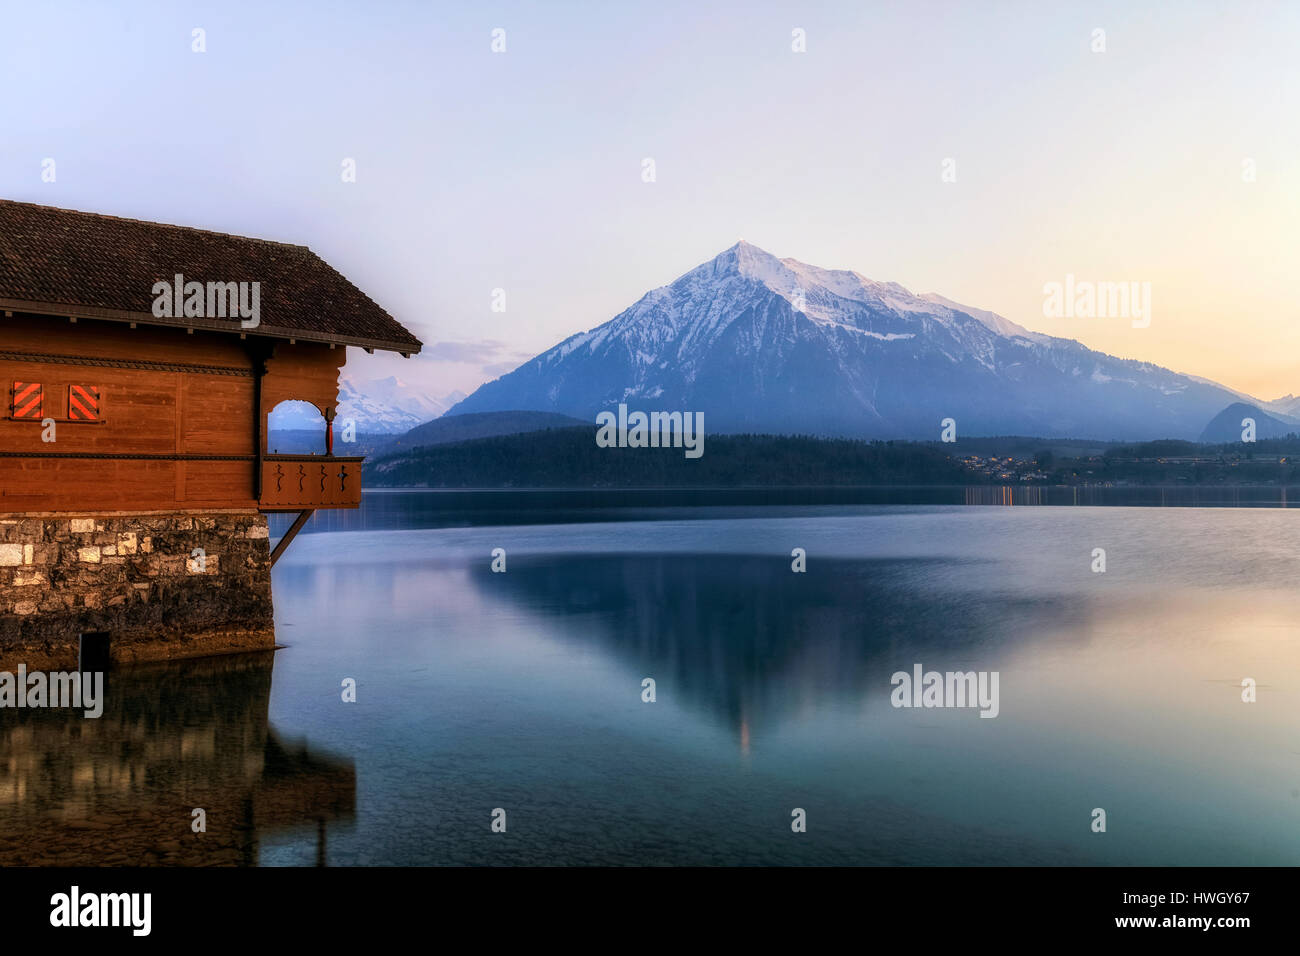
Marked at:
<point>139,363</point>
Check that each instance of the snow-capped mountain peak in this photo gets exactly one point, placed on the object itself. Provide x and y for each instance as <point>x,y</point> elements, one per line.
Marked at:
<point>999,324</point>
<point>389,405</point>
<point>760,343</point>
<point>819,289</point>
<point>386,406</point>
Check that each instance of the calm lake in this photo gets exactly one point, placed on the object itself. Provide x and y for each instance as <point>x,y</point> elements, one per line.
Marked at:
<point>522,690</point>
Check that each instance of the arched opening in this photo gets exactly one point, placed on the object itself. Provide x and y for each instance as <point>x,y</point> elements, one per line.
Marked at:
<point>297,398</point>
<point>295,427</point>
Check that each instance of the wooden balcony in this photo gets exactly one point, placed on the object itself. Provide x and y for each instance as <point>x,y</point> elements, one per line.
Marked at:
<point>303,482</point>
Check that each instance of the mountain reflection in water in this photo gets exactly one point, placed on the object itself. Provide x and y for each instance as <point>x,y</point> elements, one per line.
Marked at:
<point>748,644</point>
<point>522,690</point>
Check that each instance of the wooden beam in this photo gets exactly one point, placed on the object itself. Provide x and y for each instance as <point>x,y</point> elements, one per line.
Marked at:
<point>259,351</point>
<point>265,330</point>
<point>292,533</point>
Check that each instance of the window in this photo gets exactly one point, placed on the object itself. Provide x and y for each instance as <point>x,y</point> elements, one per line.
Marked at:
<point>83,403</point>
<point>28,401</point>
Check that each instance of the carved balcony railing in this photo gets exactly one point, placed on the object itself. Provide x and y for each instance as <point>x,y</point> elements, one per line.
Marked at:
<point>298,482</point>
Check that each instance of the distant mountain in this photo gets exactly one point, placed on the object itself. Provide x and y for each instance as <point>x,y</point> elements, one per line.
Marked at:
<point>761,344</point>
<point>387,406</point>
<point>311,441</point>
<point>1288,406</point>
<point>1226,426</point>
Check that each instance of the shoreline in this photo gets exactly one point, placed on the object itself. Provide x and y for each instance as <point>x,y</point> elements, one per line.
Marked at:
<point>141,648</point>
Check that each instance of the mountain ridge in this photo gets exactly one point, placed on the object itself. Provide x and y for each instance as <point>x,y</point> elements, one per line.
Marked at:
<point>384,406</point>
<point>759,343</point>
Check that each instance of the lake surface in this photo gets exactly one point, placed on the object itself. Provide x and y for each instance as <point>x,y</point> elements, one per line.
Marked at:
<point>522,690</point>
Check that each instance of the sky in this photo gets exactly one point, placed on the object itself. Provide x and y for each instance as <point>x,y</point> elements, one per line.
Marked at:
<point>1169,156</point>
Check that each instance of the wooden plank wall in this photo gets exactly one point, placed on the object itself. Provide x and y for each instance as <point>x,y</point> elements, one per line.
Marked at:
<point>189,395</point>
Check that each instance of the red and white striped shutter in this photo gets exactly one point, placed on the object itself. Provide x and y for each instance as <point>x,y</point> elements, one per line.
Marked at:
<point>83,403</point>
<point>28,400</point>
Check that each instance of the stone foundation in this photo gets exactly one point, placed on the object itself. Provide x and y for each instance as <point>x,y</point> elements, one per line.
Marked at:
<point>138,578</point>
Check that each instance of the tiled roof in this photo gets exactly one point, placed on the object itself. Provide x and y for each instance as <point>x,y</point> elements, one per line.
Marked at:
<point>64,262</point>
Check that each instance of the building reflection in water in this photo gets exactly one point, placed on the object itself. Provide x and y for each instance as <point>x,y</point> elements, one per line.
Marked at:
<point>121,789</point>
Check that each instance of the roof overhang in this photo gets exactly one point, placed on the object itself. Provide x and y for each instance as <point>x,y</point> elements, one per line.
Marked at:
<point>229,326</point>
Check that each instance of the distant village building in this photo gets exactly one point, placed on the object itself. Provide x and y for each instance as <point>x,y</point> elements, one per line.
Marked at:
<point>139,363</point>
